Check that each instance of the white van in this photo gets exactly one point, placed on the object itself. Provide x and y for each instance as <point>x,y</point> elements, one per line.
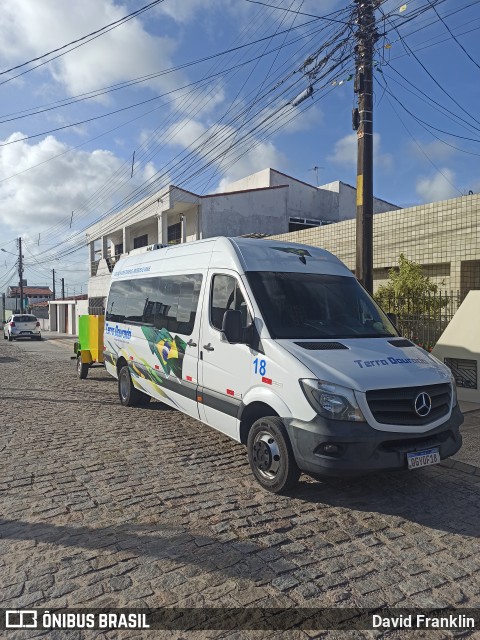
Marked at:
<point>279,347</point>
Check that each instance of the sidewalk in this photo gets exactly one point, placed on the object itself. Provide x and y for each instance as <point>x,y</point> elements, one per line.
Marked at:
<point>55,335</point>
<point>470,451</point>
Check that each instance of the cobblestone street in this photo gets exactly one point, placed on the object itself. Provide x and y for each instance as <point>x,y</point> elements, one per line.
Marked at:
<point>108,506</point>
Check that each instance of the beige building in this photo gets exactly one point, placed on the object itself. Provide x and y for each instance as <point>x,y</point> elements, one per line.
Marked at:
<point>266,202</point>
<point>444,237</point>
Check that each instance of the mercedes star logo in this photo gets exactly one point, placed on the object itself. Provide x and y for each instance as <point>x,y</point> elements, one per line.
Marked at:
<point>423,404</point>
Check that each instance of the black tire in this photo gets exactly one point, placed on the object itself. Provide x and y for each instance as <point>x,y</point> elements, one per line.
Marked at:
<point>5,336</point>
<point>271,456</point>
<point>10,339</point>
<point>129,395</point>
<point>38,338</point>
<point>82,368</point>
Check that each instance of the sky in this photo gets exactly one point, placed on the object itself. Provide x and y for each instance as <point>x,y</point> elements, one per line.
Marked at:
<point>201,92</point>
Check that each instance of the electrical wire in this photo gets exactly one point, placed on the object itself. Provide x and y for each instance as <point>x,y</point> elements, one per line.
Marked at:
<point>84,40</point>
<point>135,194</point>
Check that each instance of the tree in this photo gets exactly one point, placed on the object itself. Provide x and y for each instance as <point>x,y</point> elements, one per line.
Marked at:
<point>415,300</point>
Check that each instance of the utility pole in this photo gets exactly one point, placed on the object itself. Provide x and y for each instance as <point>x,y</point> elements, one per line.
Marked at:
<point>53,276</point>
<point>363,122</point>
<point>63,288</point>
<point>20,272</point>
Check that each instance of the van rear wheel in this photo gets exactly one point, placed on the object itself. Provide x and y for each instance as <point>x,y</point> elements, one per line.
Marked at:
<point>271,456</point>
<point>128,394</point>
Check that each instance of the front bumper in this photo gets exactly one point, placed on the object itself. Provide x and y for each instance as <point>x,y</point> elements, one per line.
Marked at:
<point>363,449</point>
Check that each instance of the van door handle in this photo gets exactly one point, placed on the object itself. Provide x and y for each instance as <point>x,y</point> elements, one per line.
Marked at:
<point>208,347</point>
<point>191,343</point>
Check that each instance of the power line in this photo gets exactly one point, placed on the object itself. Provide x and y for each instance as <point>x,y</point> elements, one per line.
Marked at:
<point>455,38</point>
<point>136,195</point>
<point>84,40</point>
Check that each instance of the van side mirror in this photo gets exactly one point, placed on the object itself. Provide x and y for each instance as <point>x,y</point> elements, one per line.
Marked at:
<point>232,326</point>
<point>393,318</point>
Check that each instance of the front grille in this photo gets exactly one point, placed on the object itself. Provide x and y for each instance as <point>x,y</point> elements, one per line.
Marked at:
<point>397,406</point>
<point>321,346</point>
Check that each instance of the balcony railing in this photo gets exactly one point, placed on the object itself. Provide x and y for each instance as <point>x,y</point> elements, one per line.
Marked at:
<point>94,267</point>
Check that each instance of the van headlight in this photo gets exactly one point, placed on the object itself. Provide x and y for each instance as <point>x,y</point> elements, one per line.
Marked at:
<point>331,400</point>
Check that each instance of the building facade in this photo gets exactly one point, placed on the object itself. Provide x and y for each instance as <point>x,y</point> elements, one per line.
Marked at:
<point>31,295</point>
<point>268,202</point>
<point>444,237</point>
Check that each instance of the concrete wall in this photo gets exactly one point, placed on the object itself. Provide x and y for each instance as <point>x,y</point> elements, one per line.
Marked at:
<point>334,201</point>
<point>443,236</point>
<point>235,214</point>
<point>63,317</point>
<point>461,341</point>
<point>346,200</point>
<point>258,180</point>
<point>305,200</point>
<point>149,227</point>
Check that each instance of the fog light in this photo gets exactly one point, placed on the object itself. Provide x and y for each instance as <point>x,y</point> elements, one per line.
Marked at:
<point>329,449</point>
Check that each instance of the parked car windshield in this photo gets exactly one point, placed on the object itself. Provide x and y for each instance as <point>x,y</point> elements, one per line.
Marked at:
<point>24,319</point>
<point>311,305</point>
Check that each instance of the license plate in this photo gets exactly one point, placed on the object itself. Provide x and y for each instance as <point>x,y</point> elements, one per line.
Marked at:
<point>423,458</point>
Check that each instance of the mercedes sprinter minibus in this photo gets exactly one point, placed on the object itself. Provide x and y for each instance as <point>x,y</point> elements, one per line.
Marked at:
<point>279,347</point>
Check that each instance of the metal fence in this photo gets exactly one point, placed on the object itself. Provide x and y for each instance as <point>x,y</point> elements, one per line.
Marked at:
<point>423,318</point>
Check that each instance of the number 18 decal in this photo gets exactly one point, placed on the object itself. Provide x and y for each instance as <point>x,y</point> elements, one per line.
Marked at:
<point>260,366</point>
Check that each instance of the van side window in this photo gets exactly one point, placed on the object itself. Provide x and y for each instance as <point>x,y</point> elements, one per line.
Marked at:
<point>168,302</point>
<point>225,295</point>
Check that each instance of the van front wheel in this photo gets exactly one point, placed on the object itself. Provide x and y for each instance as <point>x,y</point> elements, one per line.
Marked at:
<point>128,394</point>
<point>270,455</point>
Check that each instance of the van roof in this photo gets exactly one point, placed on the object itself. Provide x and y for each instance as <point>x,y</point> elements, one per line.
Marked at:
<point>237,253</point>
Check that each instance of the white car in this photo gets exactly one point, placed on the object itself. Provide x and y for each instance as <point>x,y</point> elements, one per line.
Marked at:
<point>22,325</point>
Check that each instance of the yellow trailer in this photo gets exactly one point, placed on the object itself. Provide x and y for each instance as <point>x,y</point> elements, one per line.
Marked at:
<point>89,348</point>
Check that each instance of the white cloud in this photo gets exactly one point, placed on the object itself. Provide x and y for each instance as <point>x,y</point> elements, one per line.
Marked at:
<point>437,187</point>
<point>221,144</point>
<point>47,194</point>
<point>182,11</point>
<point>435,149</point>
<point>264,155</point>
<point>345,153</point>
<point>43,197</point>
<point>30,28</point>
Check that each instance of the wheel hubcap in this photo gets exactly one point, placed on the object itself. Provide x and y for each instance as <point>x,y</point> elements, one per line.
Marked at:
<point>124,386</point>
<point>266,454</point>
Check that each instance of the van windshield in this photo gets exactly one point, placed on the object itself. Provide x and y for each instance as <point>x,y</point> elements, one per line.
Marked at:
<point>312,305</point>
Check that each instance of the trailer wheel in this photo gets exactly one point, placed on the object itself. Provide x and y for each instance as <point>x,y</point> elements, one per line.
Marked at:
<point>271,456</point>
<point>82,368</point>
<point>128,394</point>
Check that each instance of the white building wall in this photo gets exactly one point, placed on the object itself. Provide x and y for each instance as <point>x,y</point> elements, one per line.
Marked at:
<point>245,212</point>
<point>258,180</point>
<point>149,227</point>
<point>334,201</point>
<point>305,200</point>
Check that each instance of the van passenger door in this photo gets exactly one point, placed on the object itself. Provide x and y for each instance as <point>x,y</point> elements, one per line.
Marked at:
<point>224,368</point>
